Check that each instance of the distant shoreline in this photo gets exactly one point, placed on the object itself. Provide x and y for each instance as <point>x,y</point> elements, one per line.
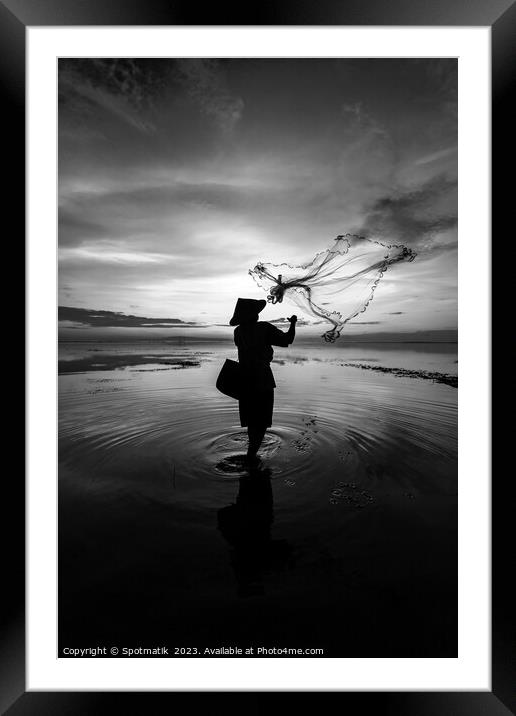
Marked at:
<point>228,339</point>
<point>222,334</point>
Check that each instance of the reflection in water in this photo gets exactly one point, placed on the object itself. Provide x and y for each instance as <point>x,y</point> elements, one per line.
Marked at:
<point>246,525</point>
<point>364,470</point>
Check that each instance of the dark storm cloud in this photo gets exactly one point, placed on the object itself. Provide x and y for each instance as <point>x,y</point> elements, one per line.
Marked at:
<point>124,88</point>
<point>74,228</point>
<point>443,77</point>
<point>414,217</point>
<point>206,82</point>
<point>112,319</point>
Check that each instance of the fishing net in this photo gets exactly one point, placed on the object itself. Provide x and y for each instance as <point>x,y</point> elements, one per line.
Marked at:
<point>337,284</point>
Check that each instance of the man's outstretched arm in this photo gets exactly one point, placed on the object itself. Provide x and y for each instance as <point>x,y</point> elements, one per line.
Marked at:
<point>278,338</point>
<point>291,333</point>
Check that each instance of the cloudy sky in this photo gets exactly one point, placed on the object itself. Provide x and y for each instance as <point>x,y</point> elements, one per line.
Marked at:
<point>177,176</point>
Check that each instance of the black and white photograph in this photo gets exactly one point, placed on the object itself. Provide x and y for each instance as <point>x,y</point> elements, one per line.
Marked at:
<point>258,365</point>
<point>258,243</point>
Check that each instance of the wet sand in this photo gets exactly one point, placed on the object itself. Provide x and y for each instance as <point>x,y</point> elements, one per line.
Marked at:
<point>112,362</point>
<point>435,376</point>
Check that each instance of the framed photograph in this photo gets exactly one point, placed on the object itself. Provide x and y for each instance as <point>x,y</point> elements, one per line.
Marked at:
<point>257,254</point>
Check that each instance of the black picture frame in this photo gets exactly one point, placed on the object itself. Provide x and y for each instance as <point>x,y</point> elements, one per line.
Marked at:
<point>500,16</point>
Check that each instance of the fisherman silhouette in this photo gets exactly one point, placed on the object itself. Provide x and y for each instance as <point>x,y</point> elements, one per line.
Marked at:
<point>246,526</point>
<point>254,340</point>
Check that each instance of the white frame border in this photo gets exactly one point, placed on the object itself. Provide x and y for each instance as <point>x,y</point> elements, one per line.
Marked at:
<point>471,671</point>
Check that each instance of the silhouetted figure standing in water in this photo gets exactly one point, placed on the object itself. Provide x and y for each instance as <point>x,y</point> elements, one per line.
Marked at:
<point>254,340</point>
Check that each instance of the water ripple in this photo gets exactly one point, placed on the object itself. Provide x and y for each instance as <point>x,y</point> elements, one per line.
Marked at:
<point>370,433</point>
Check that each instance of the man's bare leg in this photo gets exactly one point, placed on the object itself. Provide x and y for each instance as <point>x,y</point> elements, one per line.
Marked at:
<point>256,434</point>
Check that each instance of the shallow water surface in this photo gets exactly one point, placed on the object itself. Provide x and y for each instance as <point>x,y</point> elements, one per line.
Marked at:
<point>345,537</point>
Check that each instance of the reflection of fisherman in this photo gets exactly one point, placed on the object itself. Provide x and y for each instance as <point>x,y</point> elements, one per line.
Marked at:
<point>254,340</point>
<point>246,526</point>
